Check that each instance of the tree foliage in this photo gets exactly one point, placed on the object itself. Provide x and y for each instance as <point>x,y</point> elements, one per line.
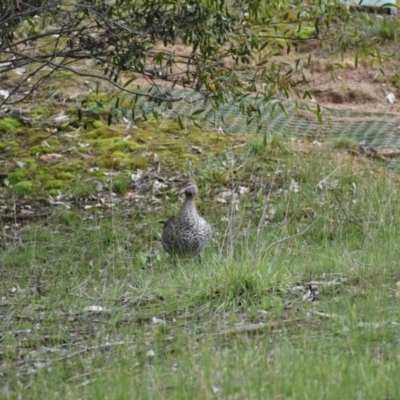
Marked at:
<point>222,50</point>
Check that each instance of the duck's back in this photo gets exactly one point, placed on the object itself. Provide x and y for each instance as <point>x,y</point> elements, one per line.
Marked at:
<point>185,234</point>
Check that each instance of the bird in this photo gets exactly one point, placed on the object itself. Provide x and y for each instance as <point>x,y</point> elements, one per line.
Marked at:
<point>186,233</point>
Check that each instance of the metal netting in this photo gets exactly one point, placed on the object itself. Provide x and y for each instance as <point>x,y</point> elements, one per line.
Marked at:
<point>367,128</point>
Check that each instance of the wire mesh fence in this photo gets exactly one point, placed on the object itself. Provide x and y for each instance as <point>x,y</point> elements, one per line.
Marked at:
<point>299,120</point>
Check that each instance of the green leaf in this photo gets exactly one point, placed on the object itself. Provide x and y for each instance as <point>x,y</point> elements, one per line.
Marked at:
<point>197,112</point>
<point>128,82</point>
<point>180,123</point>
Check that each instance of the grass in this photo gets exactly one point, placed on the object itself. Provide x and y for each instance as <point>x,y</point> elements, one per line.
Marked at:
<point>297,296</point>
<point>385,30</point>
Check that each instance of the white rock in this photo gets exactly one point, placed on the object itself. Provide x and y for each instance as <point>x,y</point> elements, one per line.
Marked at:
<point>294,186</point>
<point>157,186</point>
<point>4,93</point>
<point>390,98</point>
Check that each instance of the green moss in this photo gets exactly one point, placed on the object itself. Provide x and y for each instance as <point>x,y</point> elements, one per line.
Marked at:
<point>112,161</point>
<point>10,146</point>
<point>119,160</point>
<point>81,150</point>
<point>22,188</point>
<point>109,162</point>
<point>42,150</point>
<point>74,166</point>
<point>172,127</point>
<point>305,33</point>
<point>53,142</point>
<point>65,176</point>
<point>138,162</point>
<point>44,175</point>
<point>54,184</point>
<point>16,176</point>
<point>33,133</point>
<point>126,145</point>
<point>53,192</point>
<point>83,190</point>
<point>108,149</point>
<point>31,164</point>
<point>98,124</point>
<point>40,112</point>
<point>103,132</point>
<point>149,136</point>
<point>9,125</point>
<point>116,144</point>
<point>121,184</point>
<point>35,150</point>
<point>189,156</point>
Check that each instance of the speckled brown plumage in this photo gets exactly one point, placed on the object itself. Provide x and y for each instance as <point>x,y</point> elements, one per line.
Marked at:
<point>187,232</point>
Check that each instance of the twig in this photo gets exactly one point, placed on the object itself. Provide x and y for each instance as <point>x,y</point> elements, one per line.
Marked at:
<point>56,66</point>
<point>323,181</point>
<point>23,217</point>
<point>370,325</point>
<point>259,327</point>
<point>292,236</point>
<point>345,212</point>
<point>106,345</point>
<point>335,282</point>
<point>327,315</point>
<point>87,349</point>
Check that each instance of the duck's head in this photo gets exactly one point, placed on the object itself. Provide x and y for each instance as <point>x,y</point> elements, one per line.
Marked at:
<point>189,188</point>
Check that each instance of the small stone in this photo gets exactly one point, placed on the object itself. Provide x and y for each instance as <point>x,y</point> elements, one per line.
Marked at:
<point>390,98</point>
<point>151,353</point>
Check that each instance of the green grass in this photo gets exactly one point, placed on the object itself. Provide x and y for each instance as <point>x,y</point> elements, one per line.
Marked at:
<point>242,325</point>
<point>297,296</point>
